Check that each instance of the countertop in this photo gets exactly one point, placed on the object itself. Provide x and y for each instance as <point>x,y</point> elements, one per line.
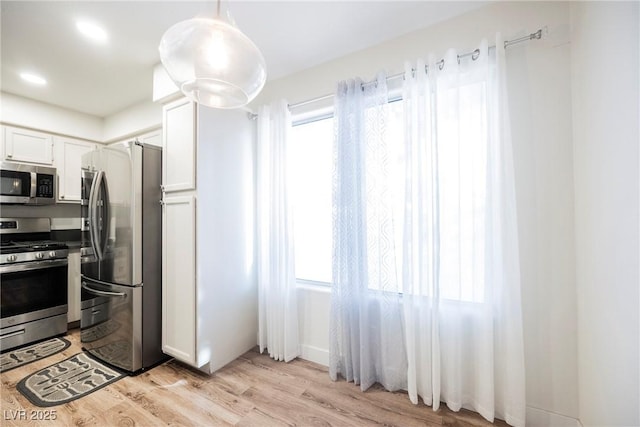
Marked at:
<point>73,244</point>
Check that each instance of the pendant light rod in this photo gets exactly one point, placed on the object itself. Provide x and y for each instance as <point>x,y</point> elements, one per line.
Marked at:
<point>218,10</point>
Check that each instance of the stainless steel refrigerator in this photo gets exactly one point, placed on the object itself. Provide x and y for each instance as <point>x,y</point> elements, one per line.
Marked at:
<point>122,255</point>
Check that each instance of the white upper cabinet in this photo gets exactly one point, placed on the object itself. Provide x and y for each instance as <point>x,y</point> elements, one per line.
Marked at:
<point>179,156</point>
<point>69,154</point>
<point>23,145</point>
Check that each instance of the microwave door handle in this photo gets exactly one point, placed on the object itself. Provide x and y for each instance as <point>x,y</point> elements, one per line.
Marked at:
<point>93,214</point>
<point>106,214</point>
<point>32,189</point>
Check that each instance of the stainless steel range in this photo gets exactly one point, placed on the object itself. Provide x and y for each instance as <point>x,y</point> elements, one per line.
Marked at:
<point>33,282</point>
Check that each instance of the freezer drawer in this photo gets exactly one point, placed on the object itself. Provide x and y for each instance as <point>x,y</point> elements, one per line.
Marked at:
<point>94,315</point>
<point>112,329</point>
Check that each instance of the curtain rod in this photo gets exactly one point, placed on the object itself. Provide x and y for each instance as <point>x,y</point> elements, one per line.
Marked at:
<point>537,35</point>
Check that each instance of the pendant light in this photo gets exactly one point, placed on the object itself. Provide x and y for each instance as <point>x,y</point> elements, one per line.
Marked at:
<point>213,62</point>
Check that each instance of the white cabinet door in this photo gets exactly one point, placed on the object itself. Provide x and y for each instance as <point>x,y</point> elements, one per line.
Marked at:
<point>23,145</point>
<point>179,296</point>
<point>69,154</point>
<point>179,142</point>
<point>74,312</point>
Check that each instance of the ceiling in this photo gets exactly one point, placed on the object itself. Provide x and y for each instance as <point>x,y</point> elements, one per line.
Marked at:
<point>102,79</point>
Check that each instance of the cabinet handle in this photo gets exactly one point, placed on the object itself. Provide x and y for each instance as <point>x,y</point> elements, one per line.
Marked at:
<point>62,197</point>
<point>9,155</point>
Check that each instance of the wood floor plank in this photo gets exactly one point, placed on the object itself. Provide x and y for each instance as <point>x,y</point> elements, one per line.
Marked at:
<point>258,418</point>
<point>253,390</point>
<point>219,392</point>
<point>280,406</point>
<point>172,405</point>
<point>127,414</point>
<point>261,377</point>
<point>195,399</point>
<point>356,406</point>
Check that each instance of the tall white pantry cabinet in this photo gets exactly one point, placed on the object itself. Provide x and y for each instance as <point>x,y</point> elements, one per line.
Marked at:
<point>209,307</point>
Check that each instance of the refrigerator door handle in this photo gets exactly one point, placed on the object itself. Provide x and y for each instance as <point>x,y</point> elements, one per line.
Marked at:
<point>88,288</point>
<point>93,213</point>
<point>106,215</point>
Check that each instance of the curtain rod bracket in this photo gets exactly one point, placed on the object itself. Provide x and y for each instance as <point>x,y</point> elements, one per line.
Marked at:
<point>533,36</point>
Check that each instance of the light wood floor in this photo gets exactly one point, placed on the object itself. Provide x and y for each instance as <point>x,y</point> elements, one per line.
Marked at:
<point>252,390</point>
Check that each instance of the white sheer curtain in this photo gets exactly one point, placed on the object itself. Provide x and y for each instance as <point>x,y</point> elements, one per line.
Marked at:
<point>448,326</point>
<point>366,344</point>
<point>278,310</point>
<point>461,279</point>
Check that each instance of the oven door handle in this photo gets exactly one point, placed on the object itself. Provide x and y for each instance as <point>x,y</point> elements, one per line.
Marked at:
<point>12,334</point>
<point>88,288</point>
<point>35,265</point>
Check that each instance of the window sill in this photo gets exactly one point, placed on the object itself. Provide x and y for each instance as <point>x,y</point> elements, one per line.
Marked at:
<point>313,286</point>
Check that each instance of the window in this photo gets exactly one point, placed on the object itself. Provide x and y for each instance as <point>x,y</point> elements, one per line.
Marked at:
<point>461,175</point>
<point>311,183</point>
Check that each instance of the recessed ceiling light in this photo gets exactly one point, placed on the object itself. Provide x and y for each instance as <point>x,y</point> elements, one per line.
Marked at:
<point>33,79</point>
<point>92,31</point>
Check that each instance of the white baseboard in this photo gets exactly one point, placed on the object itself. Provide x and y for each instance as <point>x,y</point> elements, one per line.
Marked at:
<point>314,354</point>
<point>541,418</point>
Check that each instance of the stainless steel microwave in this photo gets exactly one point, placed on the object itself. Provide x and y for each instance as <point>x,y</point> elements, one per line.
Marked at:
<point>27,184</point>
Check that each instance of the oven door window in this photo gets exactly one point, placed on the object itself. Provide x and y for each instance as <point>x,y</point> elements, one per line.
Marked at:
<point>13,183</point>
<point>32,290</point>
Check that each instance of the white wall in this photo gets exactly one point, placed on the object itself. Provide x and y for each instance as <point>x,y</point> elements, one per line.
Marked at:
<point>605,78</point>
<point>540,96</point>
<point>24,112</point>
<point>132,121</point>
<point>314,303</point>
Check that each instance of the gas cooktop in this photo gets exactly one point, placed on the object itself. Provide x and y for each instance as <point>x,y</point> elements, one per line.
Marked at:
<point>30,246</point>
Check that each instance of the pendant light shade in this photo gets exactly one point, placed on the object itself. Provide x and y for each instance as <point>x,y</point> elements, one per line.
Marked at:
<point>213,62</point>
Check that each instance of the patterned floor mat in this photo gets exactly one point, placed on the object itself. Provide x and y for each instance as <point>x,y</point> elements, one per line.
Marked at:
<point>21,356</point>
<point>68,380</point>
